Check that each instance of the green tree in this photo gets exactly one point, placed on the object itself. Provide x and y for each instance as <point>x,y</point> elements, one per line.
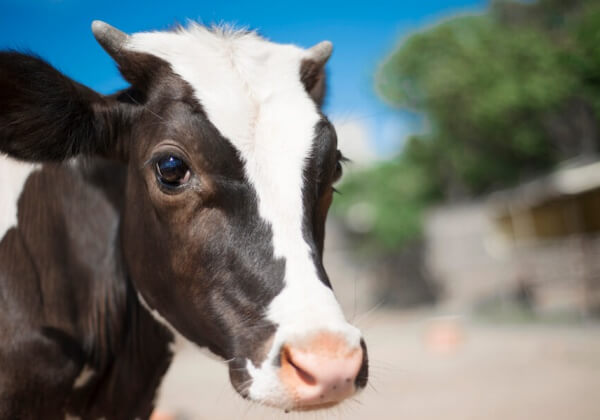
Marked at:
<point>486,92</point>
<point>395,194</point>
<point>507,95</point>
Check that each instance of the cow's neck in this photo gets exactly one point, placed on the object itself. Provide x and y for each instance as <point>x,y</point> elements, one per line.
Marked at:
<point>73,272</point>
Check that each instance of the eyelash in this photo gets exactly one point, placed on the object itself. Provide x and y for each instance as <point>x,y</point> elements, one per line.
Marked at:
<point>339,169</point>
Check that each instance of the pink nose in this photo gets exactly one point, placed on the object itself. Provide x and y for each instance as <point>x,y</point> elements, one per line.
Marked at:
<point>320,372</point>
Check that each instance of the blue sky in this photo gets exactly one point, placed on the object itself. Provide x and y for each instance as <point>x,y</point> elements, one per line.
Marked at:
<point>362,34</point>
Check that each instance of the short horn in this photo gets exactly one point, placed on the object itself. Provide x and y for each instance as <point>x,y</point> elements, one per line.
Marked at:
<point>109,37</point>
<point>321,52</point>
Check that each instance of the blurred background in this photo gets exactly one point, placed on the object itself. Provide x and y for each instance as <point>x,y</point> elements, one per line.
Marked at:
<point>465,240</point>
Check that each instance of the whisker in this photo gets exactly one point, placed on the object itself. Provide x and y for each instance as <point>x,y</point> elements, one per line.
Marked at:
<point>354,309</point>
<point>356,401</point>
<point>369,312</point>
<point>144,106</point>
<point>370,384</point>
<point>352,117</point>
<point>378,363</point>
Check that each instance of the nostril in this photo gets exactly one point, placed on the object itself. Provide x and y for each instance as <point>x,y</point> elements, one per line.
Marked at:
<point>304,375</point>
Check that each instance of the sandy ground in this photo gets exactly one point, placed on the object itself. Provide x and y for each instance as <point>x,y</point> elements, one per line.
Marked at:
<point>424,367</point>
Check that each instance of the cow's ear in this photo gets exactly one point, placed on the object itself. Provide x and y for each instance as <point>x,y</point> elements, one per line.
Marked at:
<point>312,70</point>
<point>46,116</point>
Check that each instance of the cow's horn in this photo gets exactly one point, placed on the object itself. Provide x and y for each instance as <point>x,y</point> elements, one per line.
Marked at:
<point>109,37</point>
<point>321,52</point>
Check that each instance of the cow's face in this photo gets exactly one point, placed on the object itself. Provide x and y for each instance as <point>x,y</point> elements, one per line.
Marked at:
<point>230,173</point>
<point>230,179</point>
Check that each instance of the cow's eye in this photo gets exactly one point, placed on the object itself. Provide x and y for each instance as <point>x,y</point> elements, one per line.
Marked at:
<point>340,159</point>
<point>338,170</point>
<point>172,172</point>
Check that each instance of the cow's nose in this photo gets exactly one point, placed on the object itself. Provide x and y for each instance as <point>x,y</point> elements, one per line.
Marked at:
<point>321,371</point>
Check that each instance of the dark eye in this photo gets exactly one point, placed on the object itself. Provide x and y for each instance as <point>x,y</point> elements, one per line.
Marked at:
<point>340,159</point>
<point>172,171</point>
<point>338,170</point>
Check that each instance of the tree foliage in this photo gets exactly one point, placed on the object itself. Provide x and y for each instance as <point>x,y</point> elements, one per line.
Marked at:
<point>395,193</point>
<point>507,95</point>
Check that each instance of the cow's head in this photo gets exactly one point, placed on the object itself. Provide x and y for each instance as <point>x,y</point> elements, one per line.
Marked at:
<point>230,172</point>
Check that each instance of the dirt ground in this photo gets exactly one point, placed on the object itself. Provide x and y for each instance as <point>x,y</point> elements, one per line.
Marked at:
<point>425,367</point>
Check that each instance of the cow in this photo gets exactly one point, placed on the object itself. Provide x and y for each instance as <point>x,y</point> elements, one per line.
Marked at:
<point>192,202</point>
